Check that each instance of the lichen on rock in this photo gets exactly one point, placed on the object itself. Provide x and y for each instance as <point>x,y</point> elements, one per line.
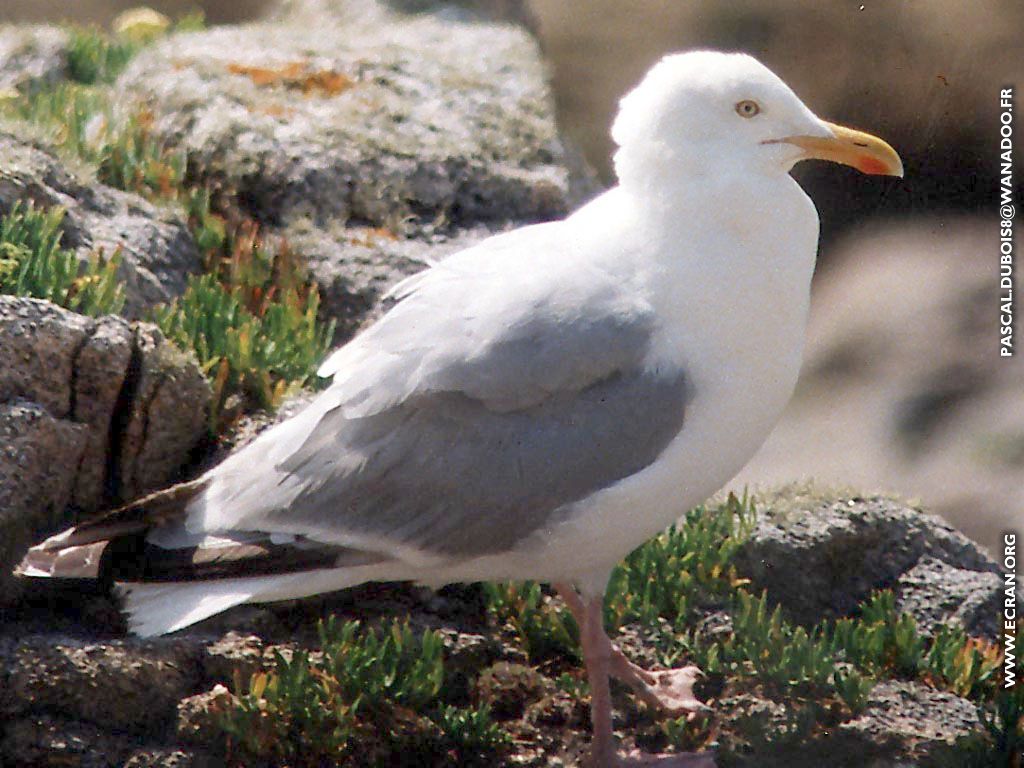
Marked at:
<point>373,140</point>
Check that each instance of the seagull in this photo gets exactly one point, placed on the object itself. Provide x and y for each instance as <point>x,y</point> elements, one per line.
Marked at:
<point>535,406</point>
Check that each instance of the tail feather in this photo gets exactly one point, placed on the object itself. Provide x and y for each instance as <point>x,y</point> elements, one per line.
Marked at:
<point>140,515</point>
<point>171,577</point>
<point>159,608</point>
<point>75,562</point>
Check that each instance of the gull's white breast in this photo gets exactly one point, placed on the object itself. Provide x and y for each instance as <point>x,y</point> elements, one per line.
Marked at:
<point>732,291</point>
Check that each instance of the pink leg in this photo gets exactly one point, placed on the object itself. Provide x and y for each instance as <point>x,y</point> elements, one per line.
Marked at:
<point>597,658</point>
<point>668,690</point>
<point>602,658</point>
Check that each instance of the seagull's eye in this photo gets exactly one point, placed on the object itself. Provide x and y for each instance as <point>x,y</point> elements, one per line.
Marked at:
<point>747,108</point>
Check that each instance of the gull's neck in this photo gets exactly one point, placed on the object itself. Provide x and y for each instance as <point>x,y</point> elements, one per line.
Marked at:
<point>732,256</point>
<point>759,231</point>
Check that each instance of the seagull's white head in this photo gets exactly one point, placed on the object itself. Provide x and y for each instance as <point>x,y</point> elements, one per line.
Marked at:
<point>706,112</point>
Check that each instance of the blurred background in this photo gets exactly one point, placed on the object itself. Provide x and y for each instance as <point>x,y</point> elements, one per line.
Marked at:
<point>903,388</point>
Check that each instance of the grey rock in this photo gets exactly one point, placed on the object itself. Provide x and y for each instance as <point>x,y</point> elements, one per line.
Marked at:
<point>33,57</point>
<point>464,655</point>
<point>91,412</point>
<point>38,457</point>
<point>157,250</point>
<point>125,686</point>
<point>371,139</point>
<point>820,559</point>
<point>168,417</point>
<point>40,342</point>
<point>511,688</point>
<point>315,11</point>
<point>935,593</point>
<point>43,741</point>
<point>378,119</point>
<point>231,655</point>
<point>904,725</point>
<point>171,757</point>
<point>920,719</point>
<point>197,717</point>
<point>100,367</point>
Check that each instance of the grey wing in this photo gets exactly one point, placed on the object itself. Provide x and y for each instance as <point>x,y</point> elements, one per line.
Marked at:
<point>445,475</point>
<point>485,402</point>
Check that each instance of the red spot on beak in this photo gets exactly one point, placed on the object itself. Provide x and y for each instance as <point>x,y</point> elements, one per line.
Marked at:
<point>872,165</point>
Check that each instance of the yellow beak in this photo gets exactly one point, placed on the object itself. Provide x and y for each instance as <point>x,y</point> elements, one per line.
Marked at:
<point>866,153</point>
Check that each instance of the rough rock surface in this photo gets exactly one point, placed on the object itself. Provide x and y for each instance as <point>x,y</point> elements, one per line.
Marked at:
<point>157,251</point>
<point>70,702</point>
<point>32,495</point>
<point>372,140</point>
<point>64,678</point>
<point>375,121</point>
<point>354,266</point>
<point>32,57</point>
<point>935,592</point>
<point>91,412</point>
<point>315,11</point>
<point>845,548</point>
<point>904,725</point>
<point>924,720</point>
<point>43,740</point>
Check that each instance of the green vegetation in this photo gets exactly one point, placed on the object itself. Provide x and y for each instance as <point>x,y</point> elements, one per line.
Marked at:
<point>1001,743</point>
<point>95,57</point>
<point>366,698</point>
<point>543,631</point>
<point>844,657</point>
<point>80,121</point>
<point>883,641</point>
<point>689,564</point>
<point>251,334</point>
<point>33,263</point>
<point>251,319</point>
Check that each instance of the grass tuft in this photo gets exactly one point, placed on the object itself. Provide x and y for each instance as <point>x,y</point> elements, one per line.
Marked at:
<point>251,320</point>
<point>884,641</point>
<point>33,263</point>
<point>95,57</point>
<point>691,562</point>
<point>125,153</point>
<point>543,630</point>
<point>765,645</point>
<point>1001,742</point>
<point>367,698</point>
